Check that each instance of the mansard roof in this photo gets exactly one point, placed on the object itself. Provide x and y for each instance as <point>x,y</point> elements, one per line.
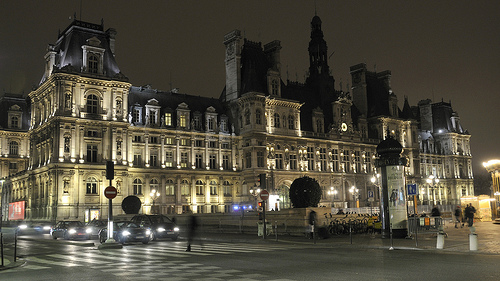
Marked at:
<point>170,100</point>
<point>69,54</point>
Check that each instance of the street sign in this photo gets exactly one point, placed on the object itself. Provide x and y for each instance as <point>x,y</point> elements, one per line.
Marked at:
<point>264,194</point>
<point>110,192</point>
<point>371,196</point>
<point>412,189</point>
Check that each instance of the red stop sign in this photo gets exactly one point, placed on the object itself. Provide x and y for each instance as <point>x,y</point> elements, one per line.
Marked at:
<point>110,192</point>
<point>264,194</point>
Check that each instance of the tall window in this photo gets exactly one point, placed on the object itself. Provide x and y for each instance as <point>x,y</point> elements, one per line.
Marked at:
<point>91,153</point>
<point>310,158</point>
<point>169,187</point>
<point>258,117</point>
<point>169,159</point>
<point>137,187</point>
<point>260,159</point>
<point>153,160</point>
<point>346,165</point>
<point>184,159</point>
<point>213,162</point>
<point>335,160</point>
<point>291,122</point>
<point>152,117</point>
<point>199,161</point>
<point>276,120</point>
<point>225,162</point>
<point>322,158</point>
<point>136,115</point>
<point>91,185</point>
<point>213,188</point>
<point>137,159</point>
<point>274,87</point>
<point>368,162</point>
<point>227,188</point>
<point>293,161</point>
<point>248,160</point>
<point>185,189</point>
<point>14,122</point>
<point>199,187</point>
<point>279,161</point>
<point>168,119</point>
<point>182,121</point>
<point>357,161</point>
<point>247,117</point>
<point>13,148</point>
<point>93,63</point>
<point>92,104</point>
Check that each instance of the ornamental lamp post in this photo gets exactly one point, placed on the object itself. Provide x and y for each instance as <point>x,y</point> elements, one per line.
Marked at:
<point>154,195</point>
<point>355,195</point>
<point>433,181</point>
<point>332,192</point>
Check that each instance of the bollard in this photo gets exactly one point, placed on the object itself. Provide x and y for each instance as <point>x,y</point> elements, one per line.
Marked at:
<point>473,242</point>
<point>440,241</point>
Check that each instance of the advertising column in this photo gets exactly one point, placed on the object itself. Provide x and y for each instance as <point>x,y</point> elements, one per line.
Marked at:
<point>393,213</point>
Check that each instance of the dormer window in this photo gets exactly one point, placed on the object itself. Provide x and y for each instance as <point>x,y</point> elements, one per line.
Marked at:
<point>168,119</point>
<point>136,115</point>
<point>274,87</point>
<point>258,118</point>
<point>14,122</point>
<point>13,148</point>
<point>182,121</point>
<point>93,64</point>
<point>276,120</point>
<point>15,115</point>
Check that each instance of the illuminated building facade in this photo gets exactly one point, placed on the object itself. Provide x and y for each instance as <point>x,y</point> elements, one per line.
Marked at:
<point>205,155</point>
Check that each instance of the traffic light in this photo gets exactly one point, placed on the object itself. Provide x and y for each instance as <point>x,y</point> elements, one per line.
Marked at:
<point>110,170</point>
<point>262,181</point>
<point>260,204</point>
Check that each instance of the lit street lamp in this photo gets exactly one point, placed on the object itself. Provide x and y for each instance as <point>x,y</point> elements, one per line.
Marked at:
<point>332,192</point>
<point>154,195</point>
<point>355,193</point>
<point>433,181</point>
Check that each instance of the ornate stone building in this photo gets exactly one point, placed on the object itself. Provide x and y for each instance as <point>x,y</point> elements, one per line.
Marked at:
<point>207,155</point>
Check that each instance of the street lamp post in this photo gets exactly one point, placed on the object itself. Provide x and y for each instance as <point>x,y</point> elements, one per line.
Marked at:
<point>154,195</point>
<point>332,192</point>
<point>433,181</point>
<point>355,192</point>
<point>255,191</point>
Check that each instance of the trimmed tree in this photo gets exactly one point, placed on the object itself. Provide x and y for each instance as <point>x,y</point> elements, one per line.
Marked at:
<point>305,192</point>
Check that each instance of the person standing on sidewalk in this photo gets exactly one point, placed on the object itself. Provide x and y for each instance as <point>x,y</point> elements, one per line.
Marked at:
<point>191,228</point>
<point>469,214</point>
<point>458,217</point>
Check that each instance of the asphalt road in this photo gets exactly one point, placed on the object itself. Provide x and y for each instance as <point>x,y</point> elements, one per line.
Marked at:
<point>47,259</point>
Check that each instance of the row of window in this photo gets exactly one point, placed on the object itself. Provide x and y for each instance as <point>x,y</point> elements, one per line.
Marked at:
<point>277,119</point>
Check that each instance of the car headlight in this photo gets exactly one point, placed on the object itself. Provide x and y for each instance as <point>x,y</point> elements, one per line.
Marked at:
<point>176,229</point>
<point>23,226</point>
<point>46,227</point>
<point>148,232</point>
<point>89,230</point>
<point>72,231</point>
<point>125,233</point>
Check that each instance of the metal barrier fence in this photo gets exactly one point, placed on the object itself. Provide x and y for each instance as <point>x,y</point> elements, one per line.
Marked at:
<point>425,225</point>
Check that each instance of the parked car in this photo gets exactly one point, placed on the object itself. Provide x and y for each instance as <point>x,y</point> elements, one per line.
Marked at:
<point>125,231</point>
<point>94,226</point>
<point>69,230</point>
<point>161,226</point>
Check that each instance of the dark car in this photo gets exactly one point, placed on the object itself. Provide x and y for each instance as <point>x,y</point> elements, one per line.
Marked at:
<point>161,226</point>
<point>94,226</point>
<point>125,231</point>
<point>69,230</point>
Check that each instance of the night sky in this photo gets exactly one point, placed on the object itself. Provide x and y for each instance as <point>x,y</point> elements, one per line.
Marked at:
<point>438,50</point>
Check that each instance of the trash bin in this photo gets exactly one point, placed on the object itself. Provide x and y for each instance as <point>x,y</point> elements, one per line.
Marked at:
<point>440,240</point>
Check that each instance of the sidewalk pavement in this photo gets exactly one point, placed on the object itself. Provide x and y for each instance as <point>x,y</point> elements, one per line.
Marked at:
<point>456,239</point>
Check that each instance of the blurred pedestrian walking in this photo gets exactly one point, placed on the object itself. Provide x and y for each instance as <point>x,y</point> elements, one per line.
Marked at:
<point>458,217</point>
<point>191,231</point>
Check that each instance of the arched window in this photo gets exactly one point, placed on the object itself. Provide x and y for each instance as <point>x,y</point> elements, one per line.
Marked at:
<point>199,187</point>
<point>153,184</point>
<point>276,120</point>
<point>92,104</point>
<point>169,187</point>
<point>91,185</point>
<point>213,188</point>
<point>137,187</point>
<point>291,122</point>
<point>227,188</point>
<point>13,148</point>
<point>185,189</point>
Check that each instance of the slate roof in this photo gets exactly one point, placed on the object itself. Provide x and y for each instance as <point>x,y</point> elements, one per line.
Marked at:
<point>7,100</point>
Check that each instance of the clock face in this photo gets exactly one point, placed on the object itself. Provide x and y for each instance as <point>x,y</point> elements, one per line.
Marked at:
<point>344,127</point>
